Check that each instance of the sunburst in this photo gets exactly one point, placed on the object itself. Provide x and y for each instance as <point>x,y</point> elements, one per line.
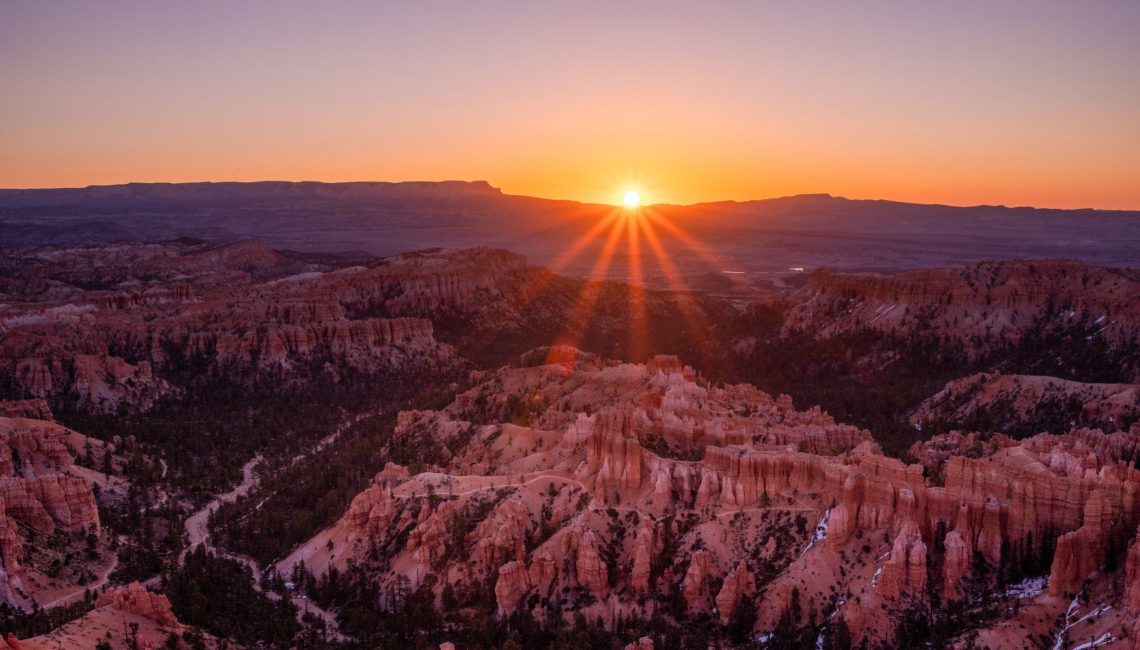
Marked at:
<point>636,223</point>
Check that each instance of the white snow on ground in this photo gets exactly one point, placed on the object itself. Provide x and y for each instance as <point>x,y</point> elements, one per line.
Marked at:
<point>1102,640</point>
<point>296,277</point>
<point>1074,607</point>
<point>881,311</point>
<point>53,315</point>
<point>1028,588</point>
<point>1102,328</point>
<point>820,531</point>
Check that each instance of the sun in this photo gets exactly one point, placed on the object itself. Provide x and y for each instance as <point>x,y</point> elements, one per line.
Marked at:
<point>631,199</point>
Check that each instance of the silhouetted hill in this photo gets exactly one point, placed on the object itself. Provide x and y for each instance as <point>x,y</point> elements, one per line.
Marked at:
<point>759,237</point>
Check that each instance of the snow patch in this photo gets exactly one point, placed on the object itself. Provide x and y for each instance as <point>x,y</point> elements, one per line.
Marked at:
<point>820,530</point>
<point>1028,588</point>
<point>1074,607</point>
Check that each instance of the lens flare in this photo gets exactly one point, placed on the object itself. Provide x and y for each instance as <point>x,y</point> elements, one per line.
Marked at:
<point>639,226</point>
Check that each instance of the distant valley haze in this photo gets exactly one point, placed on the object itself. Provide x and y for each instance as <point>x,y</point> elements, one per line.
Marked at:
<point>767,236</point>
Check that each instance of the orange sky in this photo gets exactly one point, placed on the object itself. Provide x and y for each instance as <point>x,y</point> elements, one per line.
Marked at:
<point>1021,104</point>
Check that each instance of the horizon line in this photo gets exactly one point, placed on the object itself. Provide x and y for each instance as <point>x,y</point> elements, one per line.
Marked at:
<point>501,191</point>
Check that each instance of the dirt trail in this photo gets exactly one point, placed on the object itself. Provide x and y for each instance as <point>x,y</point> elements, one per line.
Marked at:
<point>401,491</point>
<point>77,592</point>
<point>196,524</point>
<point>197,532</point>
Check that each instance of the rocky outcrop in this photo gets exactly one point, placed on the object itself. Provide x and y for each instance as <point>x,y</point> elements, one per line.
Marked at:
<point>933,454</point>
<point>502,535</point>
<point>1012,402</point>
<point>1081,552</point>
<point>603,512</point>
<point>152,297</point>
<point>738,584</point>
<point>362,344</point>
<point>136,599</point>
<point>96,383</point>
<point>37,488</point>
<point>11,546</point>
<point>589,568</point>
<point>955,566</point>
<point>48,503</point>
<point>645,547</point>
<point>36,409</point>
<point>978,306</point>
<point>513,583</point>
<point>371,511</point>
<point>428,540</point>
<point>696,585</point>
<point>107,351</point>
<point>613,458</point>
<point>246,255</point>
<point>1132,576</point>
<point>542,572</point>
<point>905,571</point>
<point>31,447</point>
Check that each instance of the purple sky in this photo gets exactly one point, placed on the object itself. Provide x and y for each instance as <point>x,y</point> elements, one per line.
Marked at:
<point>959,102</point>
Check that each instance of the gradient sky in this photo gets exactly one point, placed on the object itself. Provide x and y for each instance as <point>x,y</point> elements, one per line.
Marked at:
<point>1021,103</point>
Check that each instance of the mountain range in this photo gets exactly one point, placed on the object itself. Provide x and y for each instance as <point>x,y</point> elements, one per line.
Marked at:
<point>760,238</point>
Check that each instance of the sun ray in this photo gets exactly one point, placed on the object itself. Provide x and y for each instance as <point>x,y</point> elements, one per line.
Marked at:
<point>634,222</point>
<point>685,238</point>
<point>535,287</point>
<point>591,288</point>
<point>638,326</point>
<point>583,241</point>
<point>692,313</point>
<point>559,264</point>
<point>571,253</point>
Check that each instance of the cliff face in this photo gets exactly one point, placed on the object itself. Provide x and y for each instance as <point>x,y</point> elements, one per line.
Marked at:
<point>136,599</point>
<point>39,491</point>
<point>1132,576</point>
<point>978,306</point>
<point>36,409</point>
<point>240,310</point>
<point>729,498</point>
<point>125,617</point>
<point>1032,402</point>
<point>96,383</point>
<point>737,585</point>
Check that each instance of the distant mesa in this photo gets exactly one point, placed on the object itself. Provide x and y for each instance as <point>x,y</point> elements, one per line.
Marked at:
<point>767,235</point>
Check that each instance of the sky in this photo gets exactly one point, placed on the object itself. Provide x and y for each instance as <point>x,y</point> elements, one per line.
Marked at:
<point>1017,103</point>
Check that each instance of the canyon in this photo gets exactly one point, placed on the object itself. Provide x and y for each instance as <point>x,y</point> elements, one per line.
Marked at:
<point>44,493</point>
<point>978,306</point>
<point>506,446</point>
<point>1004,402</point>
<point>756,500</point>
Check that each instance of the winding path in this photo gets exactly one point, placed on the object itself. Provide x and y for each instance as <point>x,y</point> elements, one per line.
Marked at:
<point>198,534</point>
<point>78,591</point>
<point>197,529</point>
<point>400,493</point>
